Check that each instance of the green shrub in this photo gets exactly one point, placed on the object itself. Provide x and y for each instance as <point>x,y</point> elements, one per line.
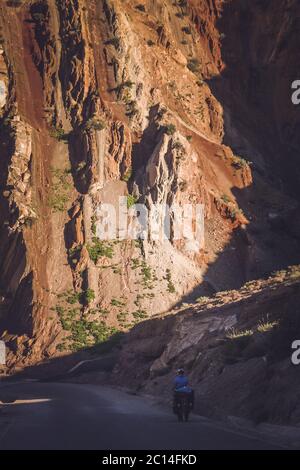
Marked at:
<point>82,332</point>
<point>80,166</point>
<point>96,124</point>
<point>235,334</point>
<point>239,163</point>
<point>58,202</point>
<point>59,134</point>
<point>115,41</point>
<point>99,249</point>
<point>171,287</point>
<point>93,225</point>
<point>170,129</point>
<point>62,184</point>
<point>140,314</point>
<point>135,263</point>
<point>89,296</point>
<point>117,303</point>
<point>146,272</point>
<point>193,65</point>
<point>266,325</point>
<point>126,177</point>
<point>72,297</point>
<point>225,198</point>
<point>131,200</point>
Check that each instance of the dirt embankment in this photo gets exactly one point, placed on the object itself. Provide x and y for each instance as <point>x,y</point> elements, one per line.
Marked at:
<point>235,347</point>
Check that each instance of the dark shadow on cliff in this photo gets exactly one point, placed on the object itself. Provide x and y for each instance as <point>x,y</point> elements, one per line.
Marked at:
<point>81,160</point>
<point>268,243</point>
<point>254,89</point>
<point>261,122</point>
<point>145,147</point>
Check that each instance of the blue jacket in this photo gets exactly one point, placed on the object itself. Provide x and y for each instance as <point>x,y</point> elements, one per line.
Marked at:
<point>180,381</point>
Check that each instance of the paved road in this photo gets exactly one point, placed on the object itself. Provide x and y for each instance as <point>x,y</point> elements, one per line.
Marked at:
<point>72,416</point>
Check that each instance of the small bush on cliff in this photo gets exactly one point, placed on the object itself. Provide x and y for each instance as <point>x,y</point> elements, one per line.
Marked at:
<point>171,287</point>
<point>99,249</point>
<point>89,296</point>
<point>193,65</point>
<point>72,297</point>
<point>117,303</point>
<point>225,198</point>
<point>96,124</point>
<point>266,325</point>
<point>126,177</point>
<point>140,314</point>
<point>239,163</point>
<point>131,200</point>
<point>94,225</point>
<point>115,41</point>
<point>170,129</point>
<point>62,184</point>
<point>235,334</point>
<point>59,134</point>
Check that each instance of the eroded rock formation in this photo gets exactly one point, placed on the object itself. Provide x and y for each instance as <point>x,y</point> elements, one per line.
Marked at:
<point>155,102</point>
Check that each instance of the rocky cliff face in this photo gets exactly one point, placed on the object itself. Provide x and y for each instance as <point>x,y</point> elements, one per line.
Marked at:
<point>157,102</point>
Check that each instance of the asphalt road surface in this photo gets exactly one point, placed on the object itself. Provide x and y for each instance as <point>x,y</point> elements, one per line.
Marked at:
<point>71,416</point>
